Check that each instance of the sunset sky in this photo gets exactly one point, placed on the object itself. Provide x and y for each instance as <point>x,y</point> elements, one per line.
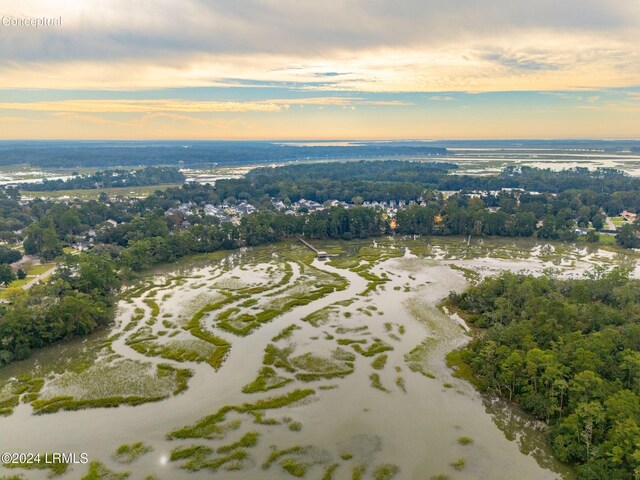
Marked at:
<point>336,69</point>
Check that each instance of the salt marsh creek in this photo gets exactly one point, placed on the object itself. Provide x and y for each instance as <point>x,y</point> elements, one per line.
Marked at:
<point>267,363</point>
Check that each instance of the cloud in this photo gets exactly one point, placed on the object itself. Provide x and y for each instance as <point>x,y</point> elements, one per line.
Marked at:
<point>161,28</point>
<point>523,60</point>
<point>143,121</point>
<point>169,108</point>
<point>133,106</point>
<point>348,45</point>
<point>442,98</point>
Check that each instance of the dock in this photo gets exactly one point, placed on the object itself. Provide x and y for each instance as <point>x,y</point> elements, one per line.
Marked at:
<point>320,255</point>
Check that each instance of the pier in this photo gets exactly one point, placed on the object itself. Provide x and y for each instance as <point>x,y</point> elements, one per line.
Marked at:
<point>320,255</point>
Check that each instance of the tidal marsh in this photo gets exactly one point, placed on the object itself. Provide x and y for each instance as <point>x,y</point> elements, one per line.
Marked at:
<point>249,400</point>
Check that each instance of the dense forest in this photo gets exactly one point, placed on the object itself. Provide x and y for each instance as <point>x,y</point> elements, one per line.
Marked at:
<point>405,180</point>
<point>110,154</point>
<point>568,351</point>
<point>381,181</point>
<point>109,179</point>
<point>79,297</point>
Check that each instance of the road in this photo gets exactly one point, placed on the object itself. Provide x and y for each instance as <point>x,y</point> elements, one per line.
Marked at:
<point>610,225</point>
<point>37,278</point>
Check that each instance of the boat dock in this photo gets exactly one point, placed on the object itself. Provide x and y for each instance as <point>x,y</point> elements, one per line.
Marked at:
<point>320,255</point>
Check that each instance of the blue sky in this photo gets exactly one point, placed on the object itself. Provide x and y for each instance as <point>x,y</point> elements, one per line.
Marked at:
<point>357,69</point>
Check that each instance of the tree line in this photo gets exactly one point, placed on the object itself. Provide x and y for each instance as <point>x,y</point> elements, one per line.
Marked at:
<point>568,351</point>
<point>79,298</point>
<point>109,179</point>
<point>193,153</point>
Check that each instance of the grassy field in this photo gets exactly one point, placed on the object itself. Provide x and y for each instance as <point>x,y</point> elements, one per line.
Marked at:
<point>40,269</point>
<point>142,191</point>
<point>607,239</point>
<point>32,272</point>
<point>618,221</point>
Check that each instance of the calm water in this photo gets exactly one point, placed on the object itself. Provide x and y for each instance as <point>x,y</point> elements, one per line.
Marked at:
<point>416,429</point>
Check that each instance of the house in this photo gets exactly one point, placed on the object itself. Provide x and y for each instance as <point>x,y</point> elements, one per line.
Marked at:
<point>629,216</point>
<point>245,208</point>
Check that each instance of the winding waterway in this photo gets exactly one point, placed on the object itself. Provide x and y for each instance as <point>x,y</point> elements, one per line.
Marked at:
<point>407,416</point>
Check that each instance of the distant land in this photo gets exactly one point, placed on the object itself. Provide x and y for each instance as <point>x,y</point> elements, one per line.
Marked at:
<point>98,154</point>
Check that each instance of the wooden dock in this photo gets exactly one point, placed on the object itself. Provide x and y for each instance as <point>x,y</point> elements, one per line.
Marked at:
<point>320,255</point>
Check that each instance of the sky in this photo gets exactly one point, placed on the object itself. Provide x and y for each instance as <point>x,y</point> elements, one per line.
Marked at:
<point>320,70</point>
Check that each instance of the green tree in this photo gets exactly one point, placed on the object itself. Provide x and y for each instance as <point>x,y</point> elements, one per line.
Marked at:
<point>6,274</point>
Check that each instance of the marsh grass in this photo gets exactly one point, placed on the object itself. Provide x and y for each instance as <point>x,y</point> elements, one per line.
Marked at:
<point>207,427</point>
<point>278,357</point>
<point>379,362</point>
<point>386,471</point>
<point>194,326</point>
<point>320,317</point>
<point>314,367</point>
<point>295,426</point>
<point>327,387</point>
<point>417,358</point>
<point>98,471</point>
<point>350,341</point>
<point>155,309</point>
<point>108,385</point>
<point>357,473</point>
<point>179,350</point>
<point>285,333</point>
<point>461,369</point>
<point>267,379</point>
<point>295,467</point>
<point>276,454</point>
<point>296,460</point>
<point>471,276</point>
<point>376,347</point>
<point>200,457</point>
<point>260,419</point>
<point>305,289</point>
<point>376,383</point>
<point>248,440</point>
<point>458,464</point>
<point>128,453</point>
<point>342,330</point>
<point>465,440</point>
<point>25,386</point>
<point>182,453</point>
<point>328,472</point>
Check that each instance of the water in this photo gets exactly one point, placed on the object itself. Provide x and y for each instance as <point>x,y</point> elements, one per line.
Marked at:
<point>416,430</point>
